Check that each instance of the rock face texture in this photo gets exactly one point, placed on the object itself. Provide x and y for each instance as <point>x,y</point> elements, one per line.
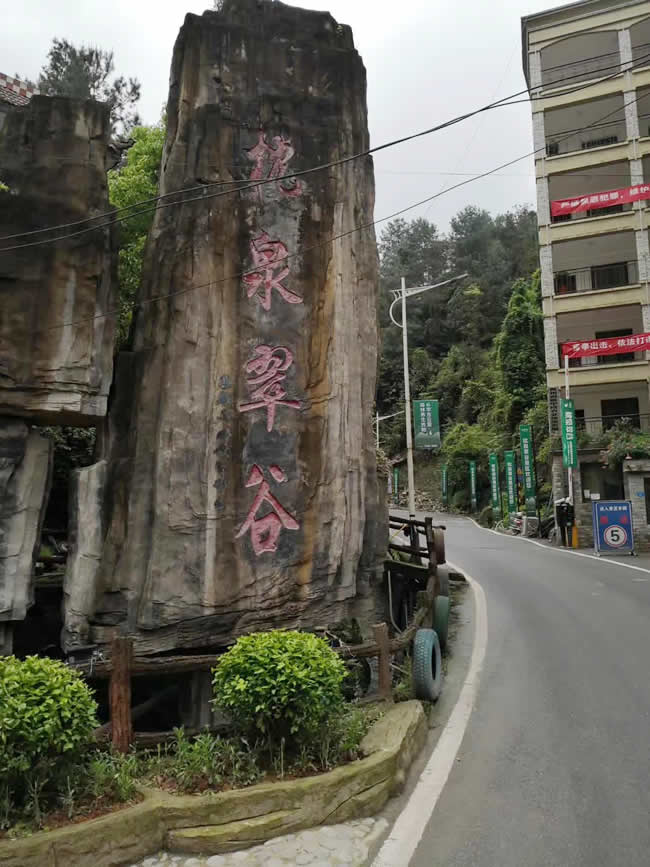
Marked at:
<point>25,466</point>
<point>56,344</point>
<point>241,480</point>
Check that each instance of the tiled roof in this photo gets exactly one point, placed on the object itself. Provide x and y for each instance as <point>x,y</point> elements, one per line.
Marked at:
<point>15,91</point>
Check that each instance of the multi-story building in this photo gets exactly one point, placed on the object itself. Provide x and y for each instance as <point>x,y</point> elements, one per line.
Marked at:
<point>587,66</point>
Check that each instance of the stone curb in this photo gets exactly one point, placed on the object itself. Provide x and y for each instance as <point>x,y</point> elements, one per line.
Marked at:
<point>211,824</point>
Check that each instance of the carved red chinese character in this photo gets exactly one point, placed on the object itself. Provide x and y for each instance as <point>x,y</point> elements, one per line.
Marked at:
<point>266,530</point>
<point>266,372</point>
<point>269,258</point>
<point>272,161</point>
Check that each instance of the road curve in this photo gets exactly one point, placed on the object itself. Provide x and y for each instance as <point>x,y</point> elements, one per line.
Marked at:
<point>554,768</point>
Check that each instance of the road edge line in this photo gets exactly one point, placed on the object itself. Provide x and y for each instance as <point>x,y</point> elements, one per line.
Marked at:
<point>407,831</point>
<point>603,560</point>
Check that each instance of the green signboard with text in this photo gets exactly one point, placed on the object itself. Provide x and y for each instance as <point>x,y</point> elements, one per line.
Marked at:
<point>443,484</point>
<point>395,483</point>
<point>426,423</point>
<point>472,485</point>
<point>569,433</point>
<point>495,484</point>
<point>528,468</point>
<point>511,480</point>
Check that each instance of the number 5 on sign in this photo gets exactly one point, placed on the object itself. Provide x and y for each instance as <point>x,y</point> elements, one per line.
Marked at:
<point>613,533</point>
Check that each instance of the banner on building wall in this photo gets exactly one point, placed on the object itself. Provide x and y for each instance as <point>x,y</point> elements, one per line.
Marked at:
<point>595,201</point>
<point>569,434</point>
<point>511,480</point>
<point>528,468</point>
<point>472,485</point>
<point>606,346</point>
<point>426,422</point>
<point>495,484</point>
<point>443,484</point>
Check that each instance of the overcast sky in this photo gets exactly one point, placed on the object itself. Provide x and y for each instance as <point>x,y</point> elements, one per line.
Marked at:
<point>427,60</point>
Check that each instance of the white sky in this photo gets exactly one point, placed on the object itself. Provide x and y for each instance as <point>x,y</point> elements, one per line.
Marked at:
<point>427,60</point>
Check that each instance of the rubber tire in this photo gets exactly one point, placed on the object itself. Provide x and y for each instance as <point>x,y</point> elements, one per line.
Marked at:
<point>427,665</point>
<point>443,581</point>
<point>441,619</point>
<point>439,545</point>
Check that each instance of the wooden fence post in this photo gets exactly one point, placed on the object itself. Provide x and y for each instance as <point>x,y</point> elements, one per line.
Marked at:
<point>120,693</point>
<point>380,631</point>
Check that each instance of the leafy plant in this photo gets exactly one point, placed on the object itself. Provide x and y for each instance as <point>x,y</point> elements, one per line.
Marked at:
<point>208,761</point>
<point>280,685</point>
<point>47,714</point>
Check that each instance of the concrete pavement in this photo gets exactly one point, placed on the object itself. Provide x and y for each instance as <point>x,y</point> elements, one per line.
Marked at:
<point>554,767</point>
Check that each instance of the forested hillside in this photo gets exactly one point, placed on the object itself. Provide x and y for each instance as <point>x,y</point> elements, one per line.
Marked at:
<point>476,345</point>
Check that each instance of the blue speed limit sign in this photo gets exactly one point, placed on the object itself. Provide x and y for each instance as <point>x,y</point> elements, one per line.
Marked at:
<point>613,527</point>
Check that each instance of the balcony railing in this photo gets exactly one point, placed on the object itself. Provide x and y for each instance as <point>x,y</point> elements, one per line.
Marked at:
<point>598,360</point>
<point>600,424</point>
<point>596,277</point>
<point>594,212</point>
<point>598,135</point>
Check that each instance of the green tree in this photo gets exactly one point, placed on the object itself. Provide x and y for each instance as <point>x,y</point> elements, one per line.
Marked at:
<point>135,181</point>
<point>85,72</point>
<point>520,347</point>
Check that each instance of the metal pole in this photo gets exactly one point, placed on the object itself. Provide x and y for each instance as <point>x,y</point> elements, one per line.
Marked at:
<point>407,407</point>
<point>566,394</point>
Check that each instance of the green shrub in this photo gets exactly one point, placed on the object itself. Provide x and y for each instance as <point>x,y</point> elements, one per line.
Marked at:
<point>208,761</point>
<point>47,713</point>
<point>282,686</point>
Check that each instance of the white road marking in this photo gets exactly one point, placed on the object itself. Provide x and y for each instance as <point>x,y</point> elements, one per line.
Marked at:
<point>606,561</point>
<point>400,845</point>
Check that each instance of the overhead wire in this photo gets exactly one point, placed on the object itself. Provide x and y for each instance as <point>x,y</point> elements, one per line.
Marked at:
<point>246,186</point>
<point>239,275</point>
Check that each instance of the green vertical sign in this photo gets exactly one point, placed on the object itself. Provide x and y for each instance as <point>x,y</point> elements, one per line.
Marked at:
<point>528,468</point>
<point>511,480</point>
<point>495,484</point>
<point>569,434</point>
<point>426,423</point>
<point>395,482</point>
<point>443,484</point>
<point>472,485</point>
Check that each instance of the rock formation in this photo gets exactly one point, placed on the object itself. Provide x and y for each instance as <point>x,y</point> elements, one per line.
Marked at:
<point>241,484</point>
<point>56,343</point>
<point>25,465</point>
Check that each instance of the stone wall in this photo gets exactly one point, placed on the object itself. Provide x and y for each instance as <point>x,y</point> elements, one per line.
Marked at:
<point>634,474</point>
<point>56,341</point>
<point>241,479</point>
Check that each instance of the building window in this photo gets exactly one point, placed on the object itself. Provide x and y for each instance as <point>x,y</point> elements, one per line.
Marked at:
<point>552,149</point>
<point>564,283</point>
<point>601,212</point>
<point>573,362</point>
<point>619,408</point>
<point>615,359</point>
<point>609,276</point>
<point>599,142</point>
<point>580,419</point>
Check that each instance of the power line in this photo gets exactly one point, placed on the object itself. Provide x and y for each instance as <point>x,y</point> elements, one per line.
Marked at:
<point>359,228</point>
<point>501,103</point>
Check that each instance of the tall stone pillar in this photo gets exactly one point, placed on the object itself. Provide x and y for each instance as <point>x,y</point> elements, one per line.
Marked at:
<point>243,488</point>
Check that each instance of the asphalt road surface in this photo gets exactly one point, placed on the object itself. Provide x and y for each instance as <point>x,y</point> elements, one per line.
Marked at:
<point>554,768</point>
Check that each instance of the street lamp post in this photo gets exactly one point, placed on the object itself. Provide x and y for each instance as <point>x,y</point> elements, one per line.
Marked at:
<point>401,295</point>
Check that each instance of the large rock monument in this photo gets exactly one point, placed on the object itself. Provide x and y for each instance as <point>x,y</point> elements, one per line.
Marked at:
<point>239,486</point>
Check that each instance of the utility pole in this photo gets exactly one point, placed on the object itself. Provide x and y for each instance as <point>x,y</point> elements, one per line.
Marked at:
<point>401,295</point>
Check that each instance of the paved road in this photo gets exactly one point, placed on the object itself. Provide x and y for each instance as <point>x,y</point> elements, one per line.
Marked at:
<point>554,768</point>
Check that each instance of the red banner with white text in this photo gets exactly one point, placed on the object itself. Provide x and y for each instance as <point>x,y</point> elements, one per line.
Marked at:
<point>595,201</point>
<point>606,346</point>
